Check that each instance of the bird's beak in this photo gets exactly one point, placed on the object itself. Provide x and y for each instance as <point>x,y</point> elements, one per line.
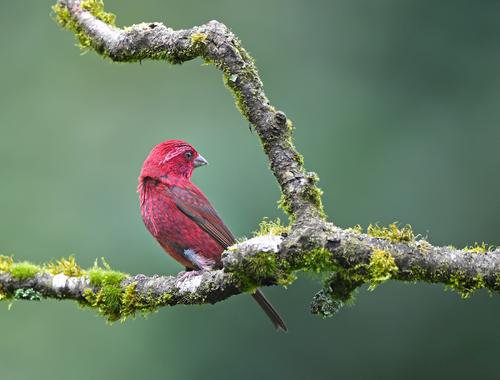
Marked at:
<point>200,161</point>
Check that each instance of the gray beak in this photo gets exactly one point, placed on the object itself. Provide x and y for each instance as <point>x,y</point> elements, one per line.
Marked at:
<point>200,161</point>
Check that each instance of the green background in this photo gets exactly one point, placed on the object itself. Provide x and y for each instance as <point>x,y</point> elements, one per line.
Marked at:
<point>396,105</point>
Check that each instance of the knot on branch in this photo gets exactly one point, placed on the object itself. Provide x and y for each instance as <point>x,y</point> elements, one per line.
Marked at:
<point>280,118</point>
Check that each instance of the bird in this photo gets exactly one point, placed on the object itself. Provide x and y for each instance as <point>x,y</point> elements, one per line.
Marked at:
<point>181,218</point>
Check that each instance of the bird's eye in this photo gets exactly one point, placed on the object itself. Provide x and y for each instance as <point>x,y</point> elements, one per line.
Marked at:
<point>188,155</point>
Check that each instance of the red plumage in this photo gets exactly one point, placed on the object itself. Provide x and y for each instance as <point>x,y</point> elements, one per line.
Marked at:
<point>179,215</point>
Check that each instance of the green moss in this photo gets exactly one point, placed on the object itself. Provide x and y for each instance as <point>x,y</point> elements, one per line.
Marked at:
<point>24,270</point>
<point>27,294</point>
<point>234,81</point>
<point>104,275</point>
<point>392,233</point>
<point>460,282</point>
<point>465,285</point>
<point>285,204</point>
<point>96,8</point>
<point>108,299</point>
<point>198,38</point>
<point>341,285</point>
<point>107,294</point>
<point>239,98</point>
<point>68,266</point>
<point>313,194</point>
<point>3,294</point>
<point>286,279</point>
<point>269,268</point>
<point>479,248</point>
<point>256,270</point>
<point>133,303</point>
<point>381,268</point>
<point>262,268</point>
<point>64,19</point>
<point>115,301</point>
<point>357,229</point>
<point>271,227</point>
<point>316,261</point>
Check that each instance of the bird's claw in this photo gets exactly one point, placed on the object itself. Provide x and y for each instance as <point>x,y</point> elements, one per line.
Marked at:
<point>188,274</point>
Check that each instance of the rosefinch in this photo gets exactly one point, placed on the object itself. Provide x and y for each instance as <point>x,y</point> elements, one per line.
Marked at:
<point>179,215</point>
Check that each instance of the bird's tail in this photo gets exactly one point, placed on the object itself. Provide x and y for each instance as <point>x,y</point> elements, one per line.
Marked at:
<point>269,310</point>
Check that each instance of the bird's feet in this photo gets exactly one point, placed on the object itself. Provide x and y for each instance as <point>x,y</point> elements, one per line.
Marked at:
<point>189,274</point>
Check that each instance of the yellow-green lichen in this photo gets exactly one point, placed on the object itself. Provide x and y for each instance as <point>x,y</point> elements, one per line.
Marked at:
<point>27,294</point>
<point>392,233</point>
<point>381,268</point>
<point>423,246</point>
<point>271,227</point>
<point>6,263</point>
<point>339,289</point>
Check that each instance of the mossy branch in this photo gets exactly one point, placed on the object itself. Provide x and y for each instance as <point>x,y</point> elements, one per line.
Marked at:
<point>347,258</point>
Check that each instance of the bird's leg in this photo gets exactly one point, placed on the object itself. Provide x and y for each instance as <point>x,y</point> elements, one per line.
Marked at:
<point>190,272</point>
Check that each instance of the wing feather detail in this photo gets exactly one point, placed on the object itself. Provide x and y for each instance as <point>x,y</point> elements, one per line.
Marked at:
<point>193,203</point>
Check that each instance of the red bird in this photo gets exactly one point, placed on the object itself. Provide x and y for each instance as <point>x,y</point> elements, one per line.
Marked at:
<point>179,215</point>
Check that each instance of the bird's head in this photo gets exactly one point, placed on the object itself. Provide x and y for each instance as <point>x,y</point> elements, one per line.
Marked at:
<point>174,158</point>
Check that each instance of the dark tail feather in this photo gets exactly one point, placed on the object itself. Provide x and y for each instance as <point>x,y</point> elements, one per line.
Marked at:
<point>269,310</point>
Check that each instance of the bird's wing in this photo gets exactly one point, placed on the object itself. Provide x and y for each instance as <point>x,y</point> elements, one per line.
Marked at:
<point>193,203</point>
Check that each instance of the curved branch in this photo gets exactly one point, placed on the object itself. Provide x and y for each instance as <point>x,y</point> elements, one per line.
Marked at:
<point>350,257</point>
<point>216,44</point>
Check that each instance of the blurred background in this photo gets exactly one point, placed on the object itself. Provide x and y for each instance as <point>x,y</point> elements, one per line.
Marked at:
<point>396,105</point>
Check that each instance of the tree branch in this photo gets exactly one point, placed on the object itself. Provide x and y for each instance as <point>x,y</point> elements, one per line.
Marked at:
<point>349,257</point>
